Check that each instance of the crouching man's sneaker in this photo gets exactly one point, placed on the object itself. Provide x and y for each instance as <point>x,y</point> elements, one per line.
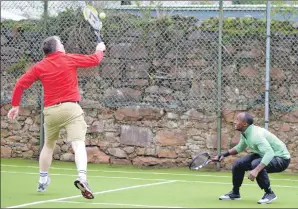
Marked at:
<point>267,198</point>
<point>230,196</point>
<point>82,185</point>
<point>42,187</point>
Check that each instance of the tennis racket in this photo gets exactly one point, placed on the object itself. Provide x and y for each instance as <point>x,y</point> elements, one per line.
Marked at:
<point>91,15</point>
<point>200,161</point>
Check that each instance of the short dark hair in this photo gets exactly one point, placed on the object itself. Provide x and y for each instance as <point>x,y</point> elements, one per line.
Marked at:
<point>49,45</point>
<point>248,118</point>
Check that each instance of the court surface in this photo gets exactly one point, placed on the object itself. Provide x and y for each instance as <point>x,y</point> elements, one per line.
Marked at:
<point>131,187</point>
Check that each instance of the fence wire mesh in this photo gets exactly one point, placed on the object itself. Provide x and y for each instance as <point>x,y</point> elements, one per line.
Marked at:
<point>160,56</point>
<point>284,64</point>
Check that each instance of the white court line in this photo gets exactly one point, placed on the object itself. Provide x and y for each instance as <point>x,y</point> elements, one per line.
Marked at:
<point>102,192</point>
<point>108,177</point>
<point>146,179</point>
<point>119,204</point>
<point>141,172</point>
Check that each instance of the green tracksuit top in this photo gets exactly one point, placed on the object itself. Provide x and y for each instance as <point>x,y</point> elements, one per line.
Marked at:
<point>261,141</point>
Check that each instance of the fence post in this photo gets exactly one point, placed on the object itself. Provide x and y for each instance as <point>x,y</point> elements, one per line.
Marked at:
<point>45,20</point>
<point>219,79</point>
<point>268,16</point>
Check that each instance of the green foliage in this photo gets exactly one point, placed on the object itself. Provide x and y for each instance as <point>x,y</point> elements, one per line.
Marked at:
<point>117,25</point>
<point>248,2</point>
<point>247,27</point>
<point>19,67</point>
<point>30,25</point>
<point>146,10</point>
<point>65,24</point>
<point>166,26</point>
<point>285,11</point>
<point>77,34</point>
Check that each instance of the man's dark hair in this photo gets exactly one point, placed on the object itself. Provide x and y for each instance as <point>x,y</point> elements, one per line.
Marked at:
<point>49,45</point>
<point>248,118</point>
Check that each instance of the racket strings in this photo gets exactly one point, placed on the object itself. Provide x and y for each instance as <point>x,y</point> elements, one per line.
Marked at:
<point>199,161</point>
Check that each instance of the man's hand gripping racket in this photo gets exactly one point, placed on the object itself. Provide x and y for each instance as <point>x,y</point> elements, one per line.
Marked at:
<point>201,160</point>
<point>91,15</point>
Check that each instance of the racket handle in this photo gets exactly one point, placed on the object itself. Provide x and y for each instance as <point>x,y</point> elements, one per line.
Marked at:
<point>99,39</point>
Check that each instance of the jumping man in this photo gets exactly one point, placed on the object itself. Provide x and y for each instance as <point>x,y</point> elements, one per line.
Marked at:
<point>57,72</point>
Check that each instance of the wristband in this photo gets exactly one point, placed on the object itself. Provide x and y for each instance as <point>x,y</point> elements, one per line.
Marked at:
<point>226,154</point>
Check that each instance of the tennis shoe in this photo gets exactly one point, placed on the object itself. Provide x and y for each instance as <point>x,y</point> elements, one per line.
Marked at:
<point>230,196</point>
<point>42,187</point>
<point>82,185</point>
<point>267,198</point>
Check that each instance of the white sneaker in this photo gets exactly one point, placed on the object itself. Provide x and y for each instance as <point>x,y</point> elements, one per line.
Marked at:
<point>267,198</point>
<point>230,196</point>
<point>82,185</point>
<point>42,187</point>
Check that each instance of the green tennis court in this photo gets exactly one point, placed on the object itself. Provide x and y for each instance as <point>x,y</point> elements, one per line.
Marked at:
<point>131,187</point>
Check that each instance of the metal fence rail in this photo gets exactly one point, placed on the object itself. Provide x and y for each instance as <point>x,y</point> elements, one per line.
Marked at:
<point>163,57</point>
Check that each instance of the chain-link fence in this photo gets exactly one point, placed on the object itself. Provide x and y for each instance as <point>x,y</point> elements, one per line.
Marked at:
<point>161,56</point>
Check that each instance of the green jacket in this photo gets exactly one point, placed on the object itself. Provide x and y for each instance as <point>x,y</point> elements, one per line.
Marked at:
<point>262,142</point>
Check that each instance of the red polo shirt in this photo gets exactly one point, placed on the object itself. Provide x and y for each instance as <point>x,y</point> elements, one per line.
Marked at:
<point>58,75</point>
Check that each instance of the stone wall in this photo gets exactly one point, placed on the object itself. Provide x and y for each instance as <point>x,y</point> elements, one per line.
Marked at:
<point>143,137</point>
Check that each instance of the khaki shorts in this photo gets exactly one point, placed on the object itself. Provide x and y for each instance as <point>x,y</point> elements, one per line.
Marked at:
<point>66,115</point>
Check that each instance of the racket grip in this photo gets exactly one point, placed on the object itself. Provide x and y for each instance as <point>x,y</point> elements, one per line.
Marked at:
<point>99,39</point>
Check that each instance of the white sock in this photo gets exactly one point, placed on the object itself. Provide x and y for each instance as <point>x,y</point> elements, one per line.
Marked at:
<point>43,177</point>
<point>80,158</point>
<point>82,174</point>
